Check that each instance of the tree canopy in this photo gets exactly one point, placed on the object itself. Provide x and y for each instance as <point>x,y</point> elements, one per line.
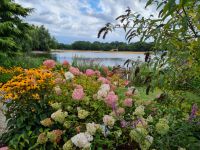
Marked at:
<point>12,25</point>
<point>175,30</point>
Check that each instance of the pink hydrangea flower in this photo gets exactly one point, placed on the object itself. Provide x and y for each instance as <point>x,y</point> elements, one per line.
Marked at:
<point>98,73</point>
<point>58,81</point>
<point>126,82</point>
<point>90,72</point>
<point>79,87</point>
<point>49,63</point>
<point>108,120</point>
<point>128,102</point>
<point>74,71</point>
<point>129,93</point>
<point>120,111</point>
<point>111,99</point>
<point>65,63</point>
<point>58,90</point>
<point>104,80</point>
<point>4,148</point>
<point>78,94</point>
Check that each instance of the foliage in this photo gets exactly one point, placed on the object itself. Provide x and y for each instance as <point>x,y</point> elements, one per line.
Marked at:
<point>176,31</point>
<point>121,46</point>
<point>12,26</point>
<point>38,38</point>
<point>9,60</point>
<point>57,106</point>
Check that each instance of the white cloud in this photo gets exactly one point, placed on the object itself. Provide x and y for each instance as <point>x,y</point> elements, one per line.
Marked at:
<point>70,20</point>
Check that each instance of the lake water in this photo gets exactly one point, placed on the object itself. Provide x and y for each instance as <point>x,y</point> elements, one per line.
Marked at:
<point>102,58</point>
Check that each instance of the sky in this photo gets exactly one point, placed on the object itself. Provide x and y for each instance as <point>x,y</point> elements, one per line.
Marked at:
<point>75,20</point>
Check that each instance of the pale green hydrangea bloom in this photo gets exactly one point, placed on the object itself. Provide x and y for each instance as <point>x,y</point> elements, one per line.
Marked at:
<point>59,116</point>
<point>82,114</point>
<point>138,134</point>
<point>56,105</point>
<point>139,111</point>
<point>162,126</point>
<point>68,145</point>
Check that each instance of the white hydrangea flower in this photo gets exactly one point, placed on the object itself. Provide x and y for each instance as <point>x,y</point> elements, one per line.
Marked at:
<point>103,91</point>
<point>108,120</point>
<point>68,75</point>
<point>105,87</point>
<point>82,140</point>
<point>91,128</point>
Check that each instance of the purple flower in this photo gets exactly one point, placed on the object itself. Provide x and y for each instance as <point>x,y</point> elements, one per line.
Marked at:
<point>193,112</point>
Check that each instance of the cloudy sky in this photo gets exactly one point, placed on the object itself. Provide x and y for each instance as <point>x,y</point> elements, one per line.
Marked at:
<point>72,20</point>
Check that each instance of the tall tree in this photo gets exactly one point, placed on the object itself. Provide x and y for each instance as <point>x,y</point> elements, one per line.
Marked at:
<point>12,25</point>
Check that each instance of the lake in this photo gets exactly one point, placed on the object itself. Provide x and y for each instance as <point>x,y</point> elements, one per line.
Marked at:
<point>100,57</point>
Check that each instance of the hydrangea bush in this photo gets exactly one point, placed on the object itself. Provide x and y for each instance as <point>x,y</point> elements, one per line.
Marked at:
<point>69,109</point>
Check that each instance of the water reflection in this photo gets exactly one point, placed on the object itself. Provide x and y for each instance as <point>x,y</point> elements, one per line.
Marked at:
<point>103,58</point>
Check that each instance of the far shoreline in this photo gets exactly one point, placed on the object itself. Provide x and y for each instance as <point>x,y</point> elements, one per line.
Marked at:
<point>97,51</point>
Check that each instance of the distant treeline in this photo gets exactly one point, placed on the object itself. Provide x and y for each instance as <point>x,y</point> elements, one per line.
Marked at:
<point>121,46</point>
<point>38,38</point>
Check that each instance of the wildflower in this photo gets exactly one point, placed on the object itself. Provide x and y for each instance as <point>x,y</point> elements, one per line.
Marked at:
<point>49,63</point>
<point>68,75</point>
<point>139,111</point>
<point>68,145</point>
<point>128,102</point>
<point>162,126</point>
<point>90,72</point>
<point>56,105</point>
<point>42,138</point>
<point>58,90</point>
<point>59,116</point>
<point>111,99</point>
<point>74,71</point>
<point>47,122</point>
<point>108,120</point>
<point>55,136</point>
<point>78,94</point>
<point>193,112</point>
<point>82,114</point>
<point>91,128</point>
<point>82,140</point>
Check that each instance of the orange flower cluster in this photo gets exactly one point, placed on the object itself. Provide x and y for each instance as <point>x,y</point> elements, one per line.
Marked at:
<point>30,79</point>
<point>11,70</point>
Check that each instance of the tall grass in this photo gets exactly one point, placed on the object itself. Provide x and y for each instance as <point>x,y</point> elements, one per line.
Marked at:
<point>23,60</point>
<point>84,64</point>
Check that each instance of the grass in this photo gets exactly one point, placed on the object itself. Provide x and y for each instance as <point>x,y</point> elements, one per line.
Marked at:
<point>9,60</point>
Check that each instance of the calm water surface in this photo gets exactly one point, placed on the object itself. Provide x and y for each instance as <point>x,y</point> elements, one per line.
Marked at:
<point>103,58</point>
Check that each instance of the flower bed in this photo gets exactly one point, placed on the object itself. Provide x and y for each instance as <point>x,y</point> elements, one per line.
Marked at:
<point>59,107</point>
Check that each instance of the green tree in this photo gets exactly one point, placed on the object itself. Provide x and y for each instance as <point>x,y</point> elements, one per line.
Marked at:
<point>176,30</point>
<point>12,25</point>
